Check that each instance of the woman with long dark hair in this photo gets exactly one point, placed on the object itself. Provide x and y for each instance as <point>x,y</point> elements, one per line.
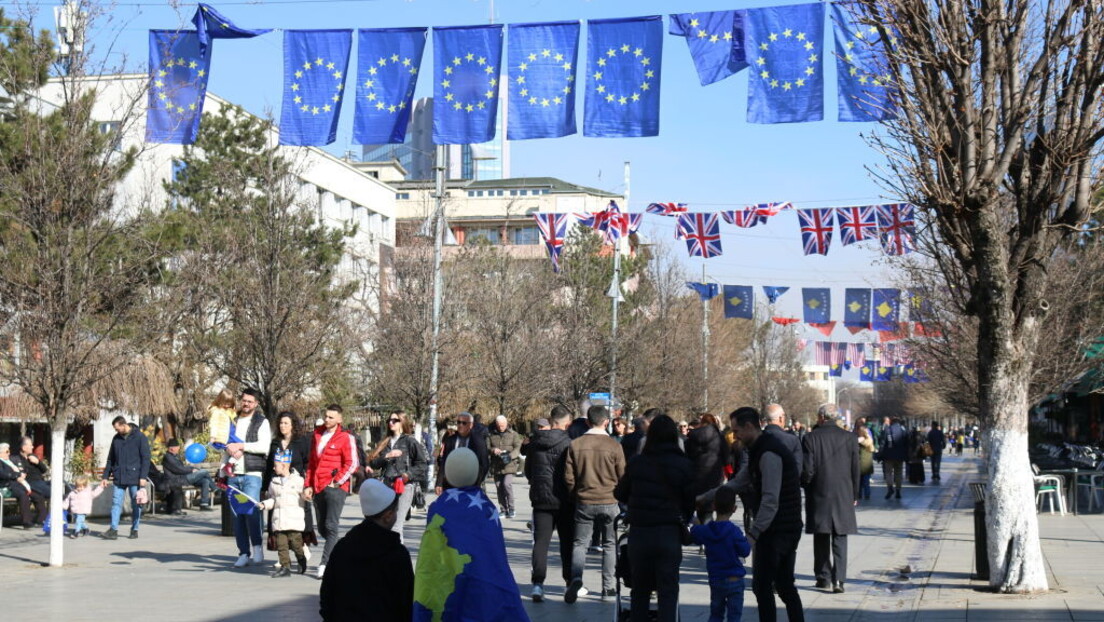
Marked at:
<point>657,488</point>
<point>289,437</point>
<point>402,463</point>
<point>706,448</point>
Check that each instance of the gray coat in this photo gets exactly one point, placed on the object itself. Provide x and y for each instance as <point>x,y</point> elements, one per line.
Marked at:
<point>831,477</point>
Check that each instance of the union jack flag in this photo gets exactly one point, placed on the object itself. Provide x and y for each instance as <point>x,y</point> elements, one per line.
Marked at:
<point>856,224</point>
<point>553,228</point>
<point>896,228</point>
<point>667,209</point>
<point>816,230</point>
<point>767,210</point>
<point>702,233</point>
<point>744,218</point>
<point>610,222</point>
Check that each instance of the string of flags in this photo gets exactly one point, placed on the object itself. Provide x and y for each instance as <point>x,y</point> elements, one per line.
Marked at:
<point>876,362</point>
<point>783,49</point>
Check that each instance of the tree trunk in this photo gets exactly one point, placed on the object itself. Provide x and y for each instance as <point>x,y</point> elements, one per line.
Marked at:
<point>57,492</point>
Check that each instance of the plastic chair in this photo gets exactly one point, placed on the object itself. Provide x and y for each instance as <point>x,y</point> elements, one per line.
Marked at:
<point>1049,488</point>
<point>1095,483</point>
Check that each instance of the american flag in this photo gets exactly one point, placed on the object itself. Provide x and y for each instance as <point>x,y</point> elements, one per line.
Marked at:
<point>896,228</point>
<point>856,354</point>
<point>816,230</point>
<point>823,352</point>
<point>553,228</point>
<point>667,209</point>
<point>856,224</point>
<point>702,233</point>
<point>744,218</point>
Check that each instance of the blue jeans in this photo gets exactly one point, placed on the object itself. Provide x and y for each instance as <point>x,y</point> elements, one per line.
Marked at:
<point>202,479</point>
<point>864,486</point>
<point>247,527</point>
<point>80,525</point>
<point>117,493</point>
<point>725,596</point>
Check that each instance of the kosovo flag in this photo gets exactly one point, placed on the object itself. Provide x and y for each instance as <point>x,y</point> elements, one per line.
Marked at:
<point>622,91</point>
<point>240,503</point>
<point>909,375</point>
<point>463,572</point>
<point>817,304</point>
<point>866,372</point>
<point>866,90</point>
<point>210,24</point>
<point>835,370</point>
<point>856,307</point>
<point>739,301</point>
<point>773,293</point>
<point>706,291</point>
<point>716,42</point>
<point>542,59</point>
<point>387,72</point>
<point>466,61</point>
<point>883,373</point>
<point>921,308</point>
<point>784,47</point>
<point>315,64</point>
<point>887,306</point>
<point>179,69</point>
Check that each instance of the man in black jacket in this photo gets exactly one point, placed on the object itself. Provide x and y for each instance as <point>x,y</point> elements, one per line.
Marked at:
<point>369,575</point>
<point>831,492</point>
<point>775,418</point>
<point>938,442</point>
<point>180,475</point>
<point>466,436</point>
<point>128,463</point>
<point>553,508</point>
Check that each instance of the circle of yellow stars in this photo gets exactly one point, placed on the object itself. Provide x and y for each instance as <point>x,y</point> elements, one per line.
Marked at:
<point>319,64</point>
<point>787,36</point>
<point>866,78</point>
<point>710,37</point>
<point>608,57</point>
<point>458,62</point>
<point>544,57</point>
<point>161,84</point>
<point>373,82</point>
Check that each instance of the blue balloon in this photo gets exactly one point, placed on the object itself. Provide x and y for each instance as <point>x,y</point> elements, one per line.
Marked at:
<point>195,453</point>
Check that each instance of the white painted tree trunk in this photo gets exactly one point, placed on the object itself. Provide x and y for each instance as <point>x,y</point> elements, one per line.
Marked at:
<point>57,493</point>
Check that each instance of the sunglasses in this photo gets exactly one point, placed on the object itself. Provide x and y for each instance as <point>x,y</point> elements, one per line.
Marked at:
<point>463,423</point>
<point>394,421</point>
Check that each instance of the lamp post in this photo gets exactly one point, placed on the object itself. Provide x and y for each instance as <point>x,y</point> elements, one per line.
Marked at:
<point>440,166</point>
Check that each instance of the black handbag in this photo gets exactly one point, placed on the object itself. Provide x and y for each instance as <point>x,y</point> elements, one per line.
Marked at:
<point>419,499</point>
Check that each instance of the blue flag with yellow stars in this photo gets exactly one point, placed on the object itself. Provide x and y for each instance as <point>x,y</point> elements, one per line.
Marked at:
<point>867,371</point>
<point>387,72</point>
<point>542,61</point>
<point>835,370</point>
<point>886,309</point>
<point>817,302</point>
<point>866,90</point>
<point>883,373</point>
<point>210,24</point>
<point>785,45</point>
<point>921,308</point>
<point>623,61</point>
<point>463,572</point>
<point>178,85</point>
<point>773,292</point>
<point>315,63</point>
<point>856,307</point>
<point>739,301</point>
<point>466,63</point>
<point>716,42</point>
<point>706,291</point>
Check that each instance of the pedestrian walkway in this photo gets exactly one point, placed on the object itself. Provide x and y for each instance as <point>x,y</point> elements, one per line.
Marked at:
<point>180,567</point>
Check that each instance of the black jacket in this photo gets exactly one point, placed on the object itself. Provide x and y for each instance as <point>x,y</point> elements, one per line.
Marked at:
<point>831,480</point>
<point>708,451</point>
<point>937,440</point>
<point>9,476</point>
<point>128,459</point>
<point>413,461</point>
<point>789,441</point>
<point>300,457</point>
<point>368,577</point>
<point>657,487</point>
<point>35,472</point>
<point>175,471</point>
<point>631,444</point>
<point>476,443</point>
<point>544,468</point>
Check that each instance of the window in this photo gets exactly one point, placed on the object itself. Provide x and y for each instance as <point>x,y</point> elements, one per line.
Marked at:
<point>476,235</point>
<point>546,191</point>
<point>500,192</point>
<point>471,193</point>
<point>402,196</point>
<point>524,235</point>
<point>112,128</point>
<point>523,192</point>
<point>513,193</point>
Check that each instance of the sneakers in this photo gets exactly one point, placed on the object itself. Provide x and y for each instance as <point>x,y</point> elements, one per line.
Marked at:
<point>110,534</point>
<point>258,554</point>
<point>284,571</point>
<point>594,549</point>
<point>608,593</point>
<point>573,591</point>
<point>73,535</point>
<point>538,593</point>
<point>321,570</point>
<point>511,514</point>
<point>133,534</point>
<point>243,560</point>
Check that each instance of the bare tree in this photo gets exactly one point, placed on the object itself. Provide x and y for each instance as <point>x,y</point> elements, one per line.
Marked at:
<point>997,143</point>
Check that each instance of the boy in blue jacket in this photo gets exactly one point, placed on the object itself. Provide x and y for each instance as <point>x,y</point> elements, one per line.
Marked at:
<point>724,545</point>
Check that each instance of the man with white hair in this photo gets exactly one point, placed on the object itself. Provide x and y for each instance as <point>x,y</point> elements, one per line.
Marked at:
<point>831,492</point>
<point>504,444</point>
<point>774,418</point>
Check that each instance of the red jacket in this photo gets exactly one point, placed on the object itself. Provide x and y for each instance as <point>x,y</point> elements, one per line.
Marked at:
<point>338,455</point>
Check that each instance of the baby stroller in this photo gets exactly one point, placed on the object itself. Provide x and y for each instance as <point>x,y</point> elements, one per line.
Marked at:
<point>623,573</point>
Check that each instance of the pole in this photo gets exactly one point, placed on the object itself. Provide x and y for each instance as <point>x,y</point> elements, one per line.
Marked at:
<point>440,166</point>
<point>705,348</point>
<point>615,290</point>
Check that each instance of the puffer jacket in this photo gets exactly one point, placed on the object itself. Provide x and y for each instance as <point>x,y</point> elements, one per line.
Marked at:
<point>285,500</point>
<point>706,448</point>
<point>657,487</point>
<point>544,468</point>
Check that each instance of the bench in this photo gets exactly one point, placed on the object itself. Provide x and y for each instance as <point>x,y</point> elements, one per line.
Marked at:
<point>6,498</point>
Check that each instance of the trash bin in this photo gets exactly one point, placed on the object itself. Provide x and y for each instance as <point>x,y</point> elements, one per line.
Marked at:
<point>981,535</point>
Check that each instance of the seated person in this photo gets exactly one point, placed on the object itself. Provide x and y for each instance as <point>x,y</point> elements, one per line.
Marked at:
<point>178,475</point>
<point>34,467</point>
<point>15,480</point>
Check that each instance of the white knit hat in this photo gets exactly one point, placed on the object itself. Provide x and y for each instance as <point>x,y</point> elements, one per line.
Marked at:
<point>461,467</point>
<point>375,497</point>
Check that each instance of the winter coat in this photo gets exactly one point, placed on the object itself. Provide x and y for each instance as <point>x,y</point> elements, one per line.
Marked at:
<point>789,441</point>
<point>706,448</point>
<point>176,472</point>
<point>128,460</point>
<point>336,462</point>
<point>9,475</point>
<point>80,501</point>
<point>937,440</point>
<point>475,443</point>
<point>894,444</point>
<point>831,478</point>
<point>544,468</point>
<point>508,441</point>
<point>593,466</point>
<point>368,577</point>
<point>866,456</point>
<point>657,487</point>
<point>631,443</point>
<point>724,545</point>
<point>285,499</point>
<point>413,462</point>
<point>35,472</point>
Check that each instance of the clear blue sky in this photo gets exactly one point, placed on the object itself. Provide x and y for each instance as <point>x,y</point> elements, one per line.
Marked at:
<point>706,155</point>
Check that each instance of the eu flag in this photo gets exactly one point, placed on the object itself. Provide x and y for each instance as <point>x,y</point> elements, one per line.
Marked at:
<point>773,292</point>
<point>817,302</point>
<point>866,90</point>
<point>179,69</point>
<point>315,63</point>
<point>466,61</point>
<point>739,301</point>
<point>784,47</point>
<point>886,306</point>
<point>463,572</point>
<point>716,42</point>
<point>706,291</point>
<point>387,72</point>
<point>210,24</point>
<point>542,61</point>
<point>856,308</point>
<point>622,91</point>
